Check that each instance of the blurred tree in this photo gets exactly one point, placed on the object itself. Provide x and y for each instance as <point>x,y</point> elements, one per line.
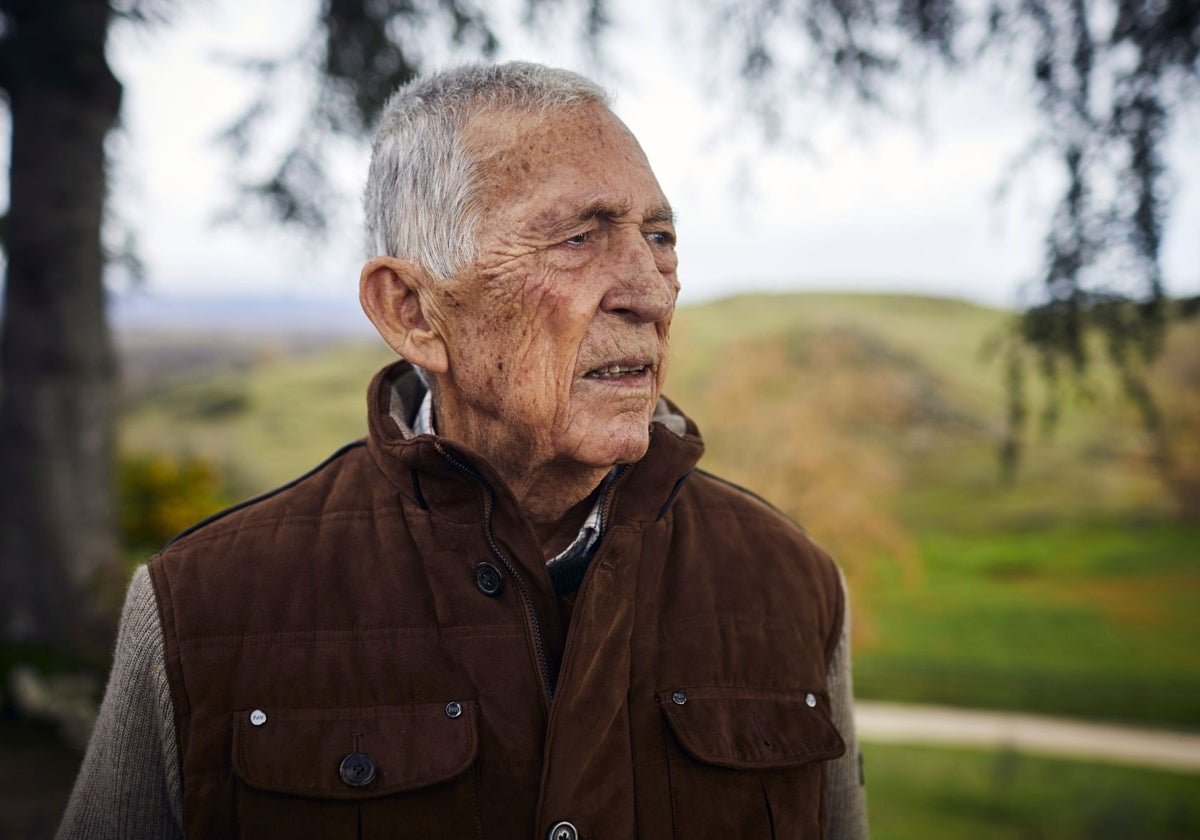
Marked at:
<point>355,56</point>
<point>1108,76</point>
<point>56,360</point>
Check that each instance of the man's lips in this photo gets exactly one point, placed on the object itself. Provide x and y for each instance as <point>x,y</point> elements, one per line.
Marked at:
<point>617,371</point>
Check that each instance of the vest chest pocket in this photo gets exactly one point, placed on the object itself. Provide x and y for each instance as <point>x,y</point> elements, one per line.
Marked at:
<point>383,771</point>
<point>747,763</point>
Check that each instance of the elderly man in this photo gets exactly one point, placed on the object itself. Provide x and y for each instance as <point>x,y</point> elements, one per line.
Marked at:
<point>517,609</point>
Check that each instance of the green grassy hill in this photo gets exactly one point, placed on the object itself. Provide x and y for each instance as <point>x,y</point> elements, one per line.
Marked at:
<point>872,420</point>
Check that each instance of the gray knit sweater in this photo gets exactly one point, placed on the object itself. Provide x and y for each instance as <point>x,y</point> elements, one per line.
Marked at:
<point>129,785</point>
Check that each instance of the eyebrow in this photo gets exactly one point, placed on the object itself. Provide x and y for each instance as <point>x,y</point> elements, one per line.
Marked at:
<point>663,213</point>
<point>608,210</point>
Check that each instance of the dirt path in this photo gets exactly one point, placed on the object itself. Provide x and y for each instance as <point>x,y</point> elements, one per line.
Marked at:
<point>894,722</point>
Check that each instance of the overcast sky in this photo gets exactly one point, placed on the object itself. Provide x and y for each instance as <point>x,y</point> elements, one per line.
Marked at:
<point>899,205</point>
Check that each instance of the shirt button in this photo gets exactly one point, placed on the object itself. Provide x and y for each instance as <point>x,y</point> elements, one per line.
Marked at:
<point>563,831</point>
<point>258,717</point>
<point>488,579</point>
<point>357,769</point>
<point>810,700</point>
<point>679,697</point>
<point>453,709</point>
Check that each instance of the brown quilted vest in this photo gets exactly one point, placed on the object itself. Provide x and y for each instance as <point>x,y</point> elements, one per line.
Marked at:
<point>339,669</point>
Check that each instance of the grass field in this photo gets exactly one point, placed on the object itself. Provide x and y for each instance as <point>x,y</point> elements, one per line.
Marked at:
<point>873,421</point>
<point>264,422</point>
<point>922,793</point>
<point>1097,620</point>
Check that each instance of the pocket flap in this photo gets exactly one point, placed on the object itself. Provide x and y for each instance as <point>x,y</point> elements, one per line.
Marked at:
<point>300,751</point>
<point>752,729</point>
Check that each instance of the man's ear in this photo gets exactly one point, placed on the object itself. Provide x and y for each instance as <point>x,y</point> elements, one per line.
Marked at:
<point>390,292</point>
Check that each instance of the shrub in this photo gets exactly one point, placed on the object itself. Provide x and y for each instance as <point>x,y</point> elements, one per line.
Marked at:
<point>160,495</point>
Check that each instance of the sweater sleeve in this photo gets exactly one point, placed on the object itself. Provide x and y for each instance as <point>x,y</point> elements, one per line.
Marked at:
<point>129,783</point>
<point>845,797</point>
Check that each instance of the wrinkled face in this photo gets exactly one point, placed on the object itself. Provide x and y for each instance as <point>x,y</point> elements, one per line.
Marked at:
<point>557,335</point>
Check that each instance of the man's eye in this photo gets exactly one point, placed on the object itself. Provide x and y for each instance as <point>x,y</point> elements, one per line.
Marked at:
<point>577,239</point>
<point>662,237</point>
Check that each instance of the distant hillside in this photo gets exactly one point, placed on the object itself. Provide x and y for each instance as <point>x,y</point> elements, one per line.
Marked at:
<point>140,310</point>
<point>817,401</point>
<point>162,338</point>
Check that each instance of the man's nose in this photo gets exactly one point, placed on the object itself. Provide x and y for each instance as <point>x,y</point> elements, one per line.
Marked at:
<point>638,289</point>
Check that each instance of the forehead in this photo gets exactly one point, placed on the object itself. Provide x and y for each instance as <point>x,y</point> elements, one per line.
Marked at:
<point>534,166</point>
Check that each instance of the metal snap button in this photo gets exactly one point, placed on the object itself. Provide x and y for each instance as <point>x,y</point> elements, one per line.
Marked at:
<point>810,700</point>
<point>488,579</point>
<point>679,697</point>
<point>258,717</point>
<point>357,769</point>
<point>563,831</point>
<point>454,709</point>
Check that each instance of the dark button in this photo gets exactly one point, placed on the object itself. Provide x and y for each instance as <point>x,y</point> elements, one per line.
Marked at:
<point>563,831</point>
<point>679,697</point>
<point>488,579</point>
<point>453,709</point>
<point>357,769</point>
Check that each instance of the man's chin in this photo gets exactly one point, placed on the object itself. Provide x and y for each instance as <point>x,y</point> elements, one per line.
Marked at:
<point>618,446</point>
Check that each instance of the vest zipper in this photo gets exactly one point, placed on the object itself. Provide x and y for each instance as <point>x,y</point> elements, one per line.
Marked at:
<point>608,491</point>
<point>530,607</point>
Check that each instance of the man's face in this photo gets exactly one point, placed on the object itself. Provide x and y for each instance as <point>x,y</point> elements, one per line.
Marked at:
<point>557,335</point>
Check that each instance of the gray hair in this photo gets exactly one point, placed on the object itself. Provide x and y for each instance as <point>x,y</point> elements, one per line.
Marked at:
<point>419,201</point>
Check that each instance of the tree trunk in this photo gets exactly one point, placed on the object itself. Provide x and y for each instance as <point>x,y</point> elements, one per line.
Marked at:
<point>57,371</point>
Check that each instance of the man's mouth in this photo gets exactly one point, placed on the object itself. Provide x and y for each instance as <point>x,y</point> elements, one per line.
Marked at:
<point>617,371</point>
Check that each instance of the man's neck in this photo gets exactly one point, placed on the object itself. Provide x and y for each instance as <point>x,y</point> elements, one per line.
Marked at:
<point>556,497</point>
<point>556,535</point>
<point>556,502</point>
